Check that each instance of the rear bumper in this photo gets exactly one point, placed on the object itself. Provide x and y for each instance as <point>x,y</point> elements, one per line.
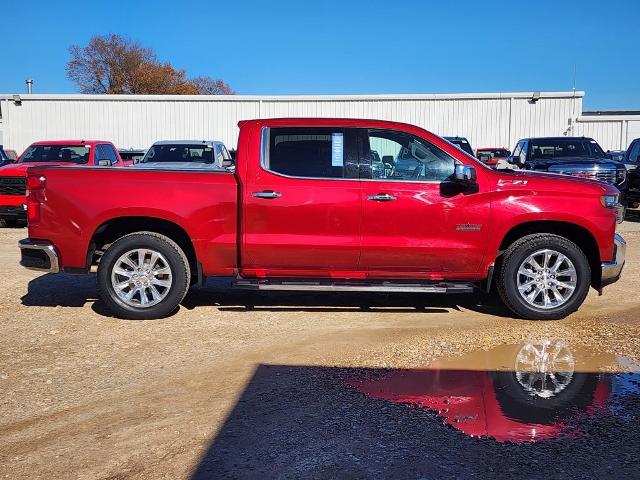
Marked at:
<point>611,270</point>
<point>38,255</point>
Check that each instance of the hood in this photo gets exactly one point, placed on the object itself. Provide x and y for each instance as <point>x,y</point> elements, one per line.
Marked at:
<point>178,166</point>
<point>20,169</point>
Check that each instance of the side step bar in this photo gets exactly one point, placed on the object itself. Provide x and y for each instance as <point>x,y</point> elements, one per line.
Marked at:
<point>330,286</point>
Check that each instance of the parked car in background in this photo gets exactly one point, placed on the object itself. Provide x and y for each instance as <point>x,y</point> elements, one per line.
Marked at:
<point>186,155</point>
<point>304,210</point>
<point>462,143</point>
<point>61,153</point>
<point>491,156</point>
<point>131,156</point>
<point>575,156</point>
<point>616,155</point>
<point>631,161</point>
<point>11,154</point>
<point>4,158</point>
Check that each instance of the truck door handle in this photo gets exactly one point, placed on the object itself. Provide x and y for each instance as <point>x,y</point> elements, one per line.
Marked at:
<point>267,194</point>
<point>381,197</point>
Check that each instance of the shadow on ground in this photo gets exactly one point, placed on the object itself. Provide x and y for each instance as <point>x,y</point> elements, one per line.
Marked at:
<point>218,293</point>
<point>51,290</point>
<point>318,422</point>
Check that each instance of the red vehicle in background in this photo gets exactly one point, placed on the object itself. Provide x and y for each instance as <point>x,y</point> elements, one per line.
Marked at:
<point>61,153</point>
<point>491,156</point>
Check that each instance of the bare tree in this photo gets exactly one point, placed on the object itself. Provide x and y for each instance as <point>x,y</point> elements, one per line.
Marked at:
<point>211,86</point>
<point>113,64</point>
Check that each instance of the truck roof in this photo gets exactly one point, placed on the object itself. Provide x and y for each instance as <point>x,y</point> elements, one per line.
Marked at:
<point>329,122</point>
<point>558,138</point>
<point>187,142</point>
<point>70,142</point>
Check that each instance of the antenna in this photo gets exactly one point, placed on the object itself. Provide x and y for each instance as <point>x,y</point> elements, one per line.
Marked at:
<point>574,78</point>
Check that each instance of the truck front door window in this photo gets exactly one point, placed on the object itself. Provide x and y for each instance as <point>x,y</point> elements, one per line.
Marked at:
<point>401,156</point>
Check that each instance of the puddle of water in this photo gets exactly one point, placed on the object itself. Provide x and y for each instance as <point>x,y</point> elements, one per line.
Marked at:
<point>536,391</point>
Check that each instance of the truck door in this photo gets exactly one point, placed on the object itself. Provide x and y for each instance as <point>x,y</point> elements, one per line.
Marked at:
<point>302,204</point>
<point>416,222</point>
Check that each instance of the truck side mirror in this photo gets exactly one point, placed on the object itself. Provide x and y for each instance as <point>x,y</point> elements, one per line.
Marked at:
<point>104,163</point>
<point>465,173</point>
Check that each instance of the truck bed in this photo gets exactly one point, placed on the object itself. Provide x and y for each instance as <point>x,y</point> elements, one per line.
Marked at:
<point>79,200</point>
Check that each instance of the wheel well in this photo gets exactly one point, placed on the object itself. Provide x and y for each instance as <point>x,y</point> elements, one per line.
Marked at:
<point>111,230</point>
<point>577,234</point>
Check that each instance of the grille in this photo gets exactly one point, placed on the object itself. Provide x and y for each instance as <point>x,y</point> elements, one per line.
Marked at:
<point>607,176</point>
<point>13,186</point>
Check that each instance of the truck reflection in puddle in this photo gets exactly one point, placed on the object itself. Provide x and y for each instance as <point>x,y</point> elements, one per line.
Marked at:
<point>527,393</point>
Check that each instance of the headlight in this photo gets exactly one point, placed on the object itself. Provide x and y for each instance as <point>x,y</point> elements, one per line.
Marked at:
<point>609,201</point>
<point>621,175</point>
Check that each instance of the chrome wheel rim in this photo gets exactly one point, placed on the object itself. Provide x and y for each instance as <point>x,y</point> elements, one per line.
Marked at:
<point>547,279</point>
<point>544,368</point>
<point>141,278</point>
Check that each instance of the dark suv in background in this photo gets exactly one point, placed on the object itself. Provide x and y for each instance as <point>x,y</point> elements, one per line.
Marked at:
<point>576,156</point>
<point>631,161</point>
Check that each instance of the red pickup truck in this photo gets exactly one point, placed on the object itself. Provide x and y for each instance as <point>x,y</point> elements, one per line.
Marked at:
<point>304,210</point>
<point>59,152</point>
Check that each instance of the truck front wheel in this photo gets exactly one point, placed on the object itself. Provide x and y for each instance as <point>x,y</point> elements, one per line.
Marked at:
<point>544,277</point>
<point>143,276</point>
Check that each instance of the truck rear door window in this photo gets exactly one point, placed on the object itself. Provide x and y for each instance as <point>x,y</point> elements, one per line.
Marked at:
<point>312,152</point>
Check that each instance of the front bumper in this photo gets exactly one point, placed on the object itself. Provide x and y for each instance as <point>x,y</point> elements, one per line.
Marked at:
<point>12,212</point>
<point>38,255</point>
<point>611,270</point>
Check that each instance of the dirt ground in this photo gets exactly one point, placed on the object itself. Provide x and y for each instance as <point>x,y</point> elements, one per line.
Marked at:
<point>248,385</point>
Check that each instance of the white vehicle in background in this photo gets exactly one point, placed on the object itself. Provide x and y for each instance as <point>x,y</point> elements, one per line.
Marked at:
<point>186,155</point>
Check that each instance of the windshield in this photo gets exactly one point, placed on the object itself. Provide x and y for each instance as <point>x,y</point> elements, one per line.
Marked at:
<point>180,153</point>
<point>559,148</point>
<point>56,153</point>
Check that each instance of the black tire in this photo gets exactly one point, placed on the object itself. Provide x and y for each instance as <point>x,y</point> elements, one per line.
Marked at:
<point>517,253</point>
<point>178,263</point>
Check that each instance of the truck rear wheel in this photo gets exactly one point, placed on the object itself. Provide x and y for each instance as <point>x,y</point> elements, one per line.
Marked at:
<point>143,276</point>
<point>544,277</point>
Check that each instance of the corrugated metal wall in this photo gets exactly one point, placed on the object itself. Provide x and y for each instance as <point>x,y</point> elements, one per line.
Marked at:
<point>137,121</point>
<point>613,132</point>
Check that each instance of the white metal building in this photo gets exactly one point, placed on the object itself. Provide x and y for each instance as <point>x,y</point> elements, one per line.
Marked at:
<point>136,121</point>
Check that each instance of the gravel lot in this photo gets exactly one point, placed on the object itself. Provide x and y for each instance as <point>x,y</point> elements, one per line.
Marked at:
<point>247,385</point>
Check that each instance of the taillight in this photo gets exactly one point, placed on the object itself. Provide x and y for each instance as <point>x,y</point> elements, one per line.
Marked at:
<point>35,196</point>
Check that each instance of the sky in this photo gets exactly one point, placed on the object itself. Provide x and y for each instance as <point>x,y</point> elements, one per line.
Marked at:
<point>347,46</point>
